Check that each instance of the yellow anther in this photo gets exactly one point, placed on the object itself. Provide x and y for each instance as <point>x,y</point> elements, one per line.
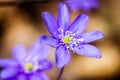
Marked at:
<point>28,66</point>
<point>66,40</point>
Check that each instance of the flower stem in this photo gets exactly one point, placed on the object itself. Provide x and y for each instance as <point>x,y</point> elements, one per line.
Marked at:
<point>60,74</point>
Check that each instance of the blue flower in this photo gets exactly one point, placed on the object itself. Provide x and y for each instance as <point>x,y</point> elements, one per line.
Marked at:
<point>26,65</point>
<point>85,5</point>
<point>67,37</point>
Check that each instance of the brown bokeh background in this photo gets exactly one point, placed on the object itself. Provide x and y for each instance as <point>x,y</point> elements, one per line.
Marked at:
<point>22,24</point>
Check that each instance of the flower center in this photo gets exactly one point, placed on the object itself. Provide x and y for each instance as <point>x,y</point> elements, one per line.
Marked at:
<point>66,40</point>
<point>28,66</point>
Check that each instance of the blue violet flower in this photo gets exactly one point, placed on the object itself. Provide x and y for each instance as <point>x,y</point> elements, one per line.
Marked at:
<point>67,37</point>
<point>85,5</point>
<point>26,65</point>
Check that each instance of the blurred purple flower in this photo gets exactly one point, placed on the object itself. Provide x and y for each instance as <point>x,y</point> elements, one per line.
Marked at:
<point>85,5</point>
<point>67,37</point>
<point>26,65</point>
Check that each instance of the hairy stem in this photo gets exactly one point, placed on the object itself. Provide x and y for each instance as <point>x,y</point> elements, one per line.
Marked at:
<point>60,74</point>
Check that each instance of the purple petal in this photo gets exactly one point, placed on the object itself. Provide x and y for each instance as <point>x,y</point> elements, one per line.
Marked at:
<point>74,5</point>
<point>79,24</point>
<point>92,36</point>
<point>45,65</point>
<point>87,50</point>
<point>86,5</point>
<point>19,52</point>
<point>8,63</point>
<point>63,16</point>
<point>45,39</point>
<point>39,76</point>
<point>44,77</point>
<point>51,23</point>
<point>62,56</point>
<point>11,78</point>
<point>9,72</point>
<point>38,51</point>
<point>22,77</point>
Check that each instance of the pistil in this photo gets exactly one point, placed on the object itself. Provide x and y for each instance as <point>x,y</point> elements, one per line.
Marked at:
<point>67,40</point>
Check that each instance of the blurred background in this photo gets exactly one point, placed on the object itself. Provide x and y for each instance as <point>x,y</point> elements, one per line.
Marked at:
<point>21,23</point>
